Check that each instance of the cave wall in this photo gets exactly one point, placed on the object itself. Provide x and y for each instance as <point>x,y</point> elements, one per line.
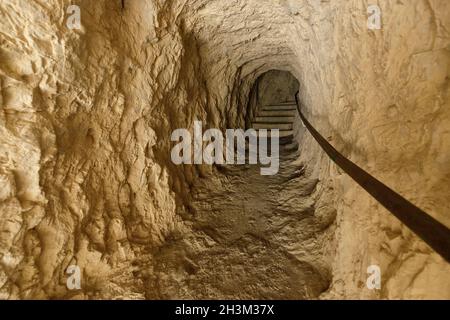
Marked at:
<point>86,121</point>
<point>381,97</point>
<point>86,117</point>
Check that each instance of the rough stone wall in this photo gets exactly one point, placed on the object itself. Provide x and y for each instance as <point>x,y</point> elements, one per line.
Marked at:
<point>382,97</point>
<point>86,117</point>
<point>86,121</point>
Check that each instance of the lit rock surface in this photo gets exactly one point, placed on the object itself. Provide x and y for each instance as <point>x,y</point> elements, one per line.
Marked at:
<point>86,177</point>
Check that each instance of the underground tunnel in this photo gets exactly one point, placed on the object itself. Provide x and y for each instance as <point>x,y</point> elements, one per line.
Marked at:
<point>92,205</point>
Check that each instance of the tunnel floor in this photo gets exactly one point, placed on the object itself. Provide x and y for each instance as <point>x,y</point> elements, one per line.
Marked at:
<point>254,237</point>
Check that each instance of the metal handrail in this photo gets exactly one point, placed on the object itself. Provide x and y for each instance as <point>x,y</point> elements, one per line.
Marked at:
<point>434,233</point>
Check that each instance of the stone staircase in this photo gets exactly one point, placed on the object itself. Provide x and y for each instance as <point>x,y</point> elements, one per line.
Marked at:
<point>278,116</point>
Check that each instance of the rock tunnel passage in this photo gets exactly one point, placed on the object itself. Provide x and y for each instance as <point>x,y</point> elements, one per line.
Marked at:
<point>254,236</point>
<point>86,177</point>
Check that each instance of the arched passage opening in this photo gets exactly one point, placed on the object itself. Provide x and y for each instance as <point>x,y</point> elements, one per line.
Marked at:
<point>272,106</point>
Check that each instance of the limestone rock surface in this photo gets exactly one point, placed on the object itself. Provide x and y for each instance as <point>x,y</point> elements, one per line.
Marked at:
<point>86,177</point>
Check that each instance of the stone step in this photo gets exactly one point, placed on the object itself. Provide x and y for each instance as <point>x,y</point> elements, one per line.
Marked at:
<point>286,144</point>
<point>277,113</point>
<point>282,133</point>
<point>285,136</point>
<point>292,146</point>
<point>279,108</point>
<point>274,119</point>
<point>263,125</point>
<point>287,103</point>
